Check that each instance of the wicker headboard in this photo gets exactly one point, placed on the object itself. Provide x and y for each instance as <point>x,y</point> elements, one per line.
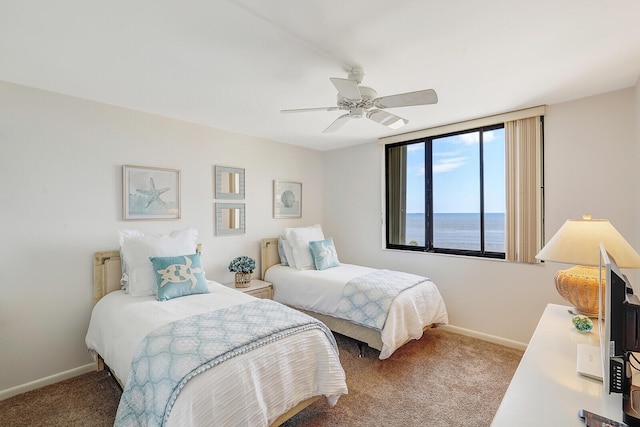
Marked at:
<point>107,272</point>
<point>269,254</point>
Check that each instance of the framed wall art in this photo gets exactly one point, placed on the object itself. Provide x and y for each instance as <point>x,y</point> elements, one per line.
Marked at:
<point>150,193</point>
<point>287,199</point>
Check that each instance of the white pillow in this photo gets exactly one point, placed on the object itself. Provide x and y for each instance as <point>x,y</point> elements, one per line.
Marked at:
<point>136,248</point>
<point>299,239</point>
<point>122,236</point>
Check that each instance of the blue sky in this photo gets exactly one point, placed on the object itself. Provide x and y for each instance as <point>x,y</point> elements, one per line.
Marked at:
<point>456,174</point>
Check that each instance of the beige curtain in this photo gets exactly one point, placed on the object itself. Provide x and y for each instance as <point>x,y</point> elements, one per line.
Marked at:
<point>397,195</point>
<point>523,152</point>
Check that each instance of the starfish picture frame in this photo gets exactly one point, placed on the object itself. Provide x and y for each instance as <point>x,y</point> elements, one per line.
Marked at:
<point>150,193</point>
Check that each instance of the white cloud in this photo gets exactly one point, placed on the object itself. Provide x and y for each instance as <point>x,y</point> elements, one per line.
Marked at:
<point>447,153</point>
<point>469,138</point>
<point>446,165</point>
<point>473,138</point>
<point>489,136</point>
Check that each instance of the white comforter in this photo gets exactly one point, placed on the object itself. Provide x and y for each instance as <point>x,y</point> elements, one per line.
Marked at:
<point>251,389</point>
<point>320,292</point>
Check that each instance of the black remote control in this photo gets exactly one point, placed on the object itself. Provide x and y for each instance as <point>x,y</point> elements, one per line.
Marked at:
<point>595,420</point>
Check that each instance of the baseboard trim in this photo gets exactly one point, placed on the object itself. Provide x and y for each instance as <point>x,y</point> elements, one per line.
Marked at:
<point>486,337</point>
<point>14,391</point>
<point>52,379</point>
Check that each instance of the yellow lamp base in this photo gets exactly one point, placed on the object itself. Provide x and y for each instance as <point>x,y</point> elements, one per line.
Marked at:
<point>580,286</point>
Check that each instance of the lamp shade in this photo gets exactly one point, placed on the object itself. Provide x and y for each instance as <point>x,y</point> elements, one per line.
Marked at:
<point>578,242</point>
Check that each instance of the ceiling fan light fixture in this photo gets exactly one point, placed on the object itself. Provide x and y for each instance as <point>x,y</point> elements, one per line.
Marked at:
<point>359,100</point>
<point>356,112</point>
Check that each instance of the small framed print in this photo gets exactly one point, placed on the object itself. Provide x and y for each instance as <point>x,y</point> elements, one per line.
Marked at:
<point>287,199</point>
<point>150,193</point>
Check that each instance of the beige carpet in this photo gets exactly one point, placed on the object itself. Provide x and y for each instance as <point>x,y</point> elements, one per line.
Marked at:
<point>443,379</point>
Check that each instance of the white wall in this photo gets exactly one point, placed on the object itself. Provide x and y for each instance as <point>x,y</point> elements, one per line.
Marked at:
<point>591,158</point>
<point>61,200</point>
<point>60,166</point>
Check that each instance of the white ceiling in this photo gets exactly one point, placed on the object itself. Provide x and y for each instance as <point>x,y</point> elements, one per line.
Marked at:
<point>235,64</point>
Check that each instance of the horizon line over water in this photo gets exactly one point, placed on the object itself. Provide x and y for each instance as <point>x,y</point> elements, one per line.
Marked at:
<point>458,213</point>
<point>459,230</point>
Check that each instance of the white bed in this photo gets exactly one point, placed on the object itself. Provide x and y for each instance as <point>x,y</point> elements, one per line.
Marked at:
<point>263,387</point>
<point>317,292</point>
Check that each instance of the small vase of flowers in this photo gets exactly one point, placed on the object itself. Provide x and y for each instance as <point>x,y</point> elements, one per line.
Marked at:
<point>243,266</point>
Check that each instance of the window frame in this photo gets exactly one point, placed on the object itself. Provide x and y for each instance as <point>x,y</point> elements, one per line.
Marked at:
<point>428,196</point>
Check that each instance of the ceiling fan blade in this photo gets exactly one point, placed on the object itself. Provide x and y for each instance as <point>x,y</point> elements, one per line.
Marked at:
<point>387,119</point>
<point>304,110</point>
<point>421,97</point>
<point>347,88</point>
<point>337,124</point>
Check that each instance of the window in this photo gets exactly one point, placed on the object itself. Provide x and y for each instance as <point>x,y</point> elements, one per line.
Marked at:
<point>428,171</point>
<point>446,193</point>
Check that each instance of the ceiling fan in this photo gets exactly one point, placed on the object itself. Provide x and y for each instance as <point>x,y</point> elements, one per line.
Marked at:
<point>360,101</point>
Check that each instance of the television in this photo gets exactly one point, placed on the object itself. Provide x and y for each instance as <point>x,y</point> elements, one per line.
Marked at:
<point>619,317</point>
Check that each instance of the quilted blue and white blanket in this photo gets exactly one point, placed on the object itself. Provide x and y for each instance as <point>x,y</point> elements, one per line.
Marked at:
<point>173,354</point>
<point>366,299</point>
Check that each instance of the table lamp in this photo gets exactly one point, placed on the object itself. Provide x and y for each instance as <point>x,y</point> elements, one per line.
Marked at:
<point>578,242</point>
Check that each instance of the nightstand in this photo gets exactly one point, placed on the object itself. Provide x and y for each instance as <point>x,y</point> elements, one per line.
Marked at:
<point>258,289</point>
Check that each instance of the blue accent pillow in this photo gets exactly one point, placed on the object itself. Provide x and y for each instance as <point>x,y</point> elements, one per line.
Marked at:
<point>178,276</point>
<point>324,254</point>
<point>281,252</point>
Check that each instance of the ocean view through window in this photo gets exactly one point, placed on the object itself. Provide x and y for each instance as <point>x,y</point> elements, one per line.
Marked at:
<point>447,193</point>
<point>458,230</point>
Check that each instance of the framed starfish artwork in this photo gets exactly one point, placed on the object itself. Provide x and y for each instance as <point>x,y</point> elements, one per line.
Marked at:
<point>150,193</point>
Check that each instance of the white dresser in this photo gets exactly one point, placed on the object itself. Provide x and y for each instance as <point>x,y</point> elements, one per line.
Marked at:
<point>546,389</point>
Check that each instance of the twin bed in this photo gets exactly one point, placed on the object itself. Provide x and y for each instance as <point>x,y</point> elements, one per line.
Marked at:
<point>259,384</point>
<point>261,362</point>
<point>317,293</point>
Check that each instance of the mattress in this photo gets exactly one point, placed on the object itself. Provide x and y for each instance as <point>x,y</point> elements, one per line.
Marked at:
<point>320,291</point>
<point>250,389</point>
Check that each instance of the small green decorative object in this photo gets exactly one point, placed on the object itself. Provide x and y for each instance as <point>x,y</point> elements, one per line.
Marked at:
<point>242,264</point>
<point>243,267</point>
<point>582,323</point>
